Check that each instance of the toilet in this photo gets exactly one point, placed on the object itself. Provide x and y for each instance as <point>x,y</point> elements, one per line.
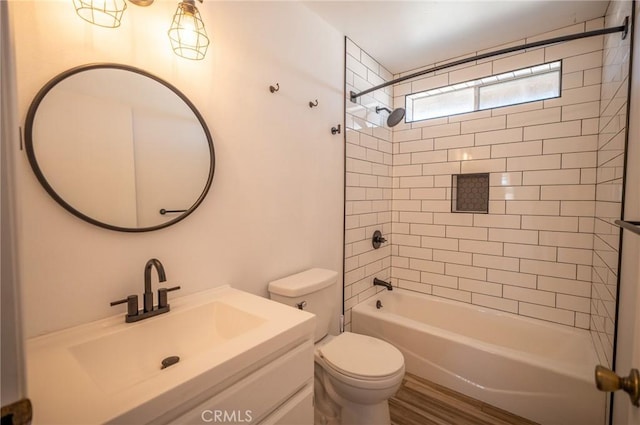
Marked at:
<point>355,374</point>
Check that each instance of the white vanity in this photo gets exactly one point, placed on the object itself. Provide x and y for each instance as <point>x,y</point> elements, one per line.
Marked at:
<point>242,359</point>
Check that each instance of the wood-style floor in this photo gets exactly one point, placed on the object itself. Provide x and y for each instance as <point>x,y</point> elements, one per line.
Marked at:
<point>421,402</point>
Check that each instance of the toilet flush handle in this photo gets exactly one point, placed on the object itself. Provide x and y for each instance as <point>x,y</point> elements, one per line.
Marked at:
<point>301,305</point>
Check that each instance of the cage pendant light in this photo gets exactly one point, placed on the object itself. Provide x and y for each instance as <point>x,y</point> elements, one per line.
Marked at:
<point>187,34</point>
<point>104,13</point>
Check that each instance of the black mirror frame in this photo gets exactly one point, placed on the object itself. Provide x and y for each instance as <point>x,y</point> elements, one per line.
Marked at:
<point>28,133</point>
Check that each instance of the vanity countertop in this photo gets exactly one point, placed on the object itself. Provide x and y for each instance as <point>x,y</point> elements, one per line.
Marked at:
<point>109,371</point>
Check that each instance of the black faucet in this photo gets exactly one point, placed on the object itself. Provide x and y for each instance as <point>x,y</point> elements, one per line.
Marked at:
<point>148,310</point>
<point>379,282</point>
<point>148,295</point>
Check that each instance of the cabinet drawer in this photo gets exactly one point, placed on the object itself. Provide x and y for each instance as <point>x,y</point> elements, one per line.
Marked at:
<point>254,397</point>
<point>296,411</point>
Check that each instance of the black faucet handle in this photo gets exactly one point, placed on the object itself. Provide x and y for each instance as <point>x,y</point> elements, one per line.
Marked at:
<point>377,239</point>
<point>132,304</point>
<point>162,296</point>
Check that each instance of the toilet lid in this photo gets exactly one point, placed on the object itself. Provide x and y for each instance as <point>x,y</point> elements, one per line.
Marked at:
<point>362,356</point>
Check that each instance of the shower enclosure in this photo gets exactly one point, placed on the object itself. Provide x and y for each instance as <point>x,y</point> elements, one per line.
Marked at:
<point>547,245</point>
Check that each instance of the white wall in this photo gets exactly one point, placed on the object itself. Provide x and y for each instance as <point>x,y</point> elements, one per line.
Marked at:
<point>11,362</point>
<point>276,204</point>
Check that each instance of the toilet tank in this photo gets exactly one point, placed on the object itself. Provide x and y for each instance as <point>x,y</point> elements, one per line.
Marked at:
<point>315,290</point>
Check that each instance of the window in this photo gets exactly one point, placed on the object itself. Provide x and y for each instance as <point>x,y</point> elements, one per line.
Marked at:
<point>519,86</point>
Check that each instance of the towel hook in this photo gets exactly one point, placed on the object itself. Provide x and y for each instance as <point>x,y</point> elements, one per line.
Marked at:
<point>311,104</point>
<point>274,89</point>
<point>336,130</point>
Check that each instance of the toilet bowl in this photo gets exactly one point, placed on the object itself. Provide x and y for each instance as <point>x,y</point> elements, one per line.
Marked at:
<point>359,373</point>
<point>355,374</point>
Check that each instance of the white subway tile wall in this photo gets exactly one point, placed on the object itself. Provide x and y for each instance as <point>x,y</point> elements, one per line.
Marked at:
<point>528,254</point>
<point>608,194</point>
<point>524,256</point>
<point>547,248</point>
<point>369,191</point>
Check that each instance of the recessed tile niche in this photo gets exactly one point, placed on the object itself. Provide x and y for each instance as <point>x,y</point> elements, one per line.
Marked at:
<point>470,193</point>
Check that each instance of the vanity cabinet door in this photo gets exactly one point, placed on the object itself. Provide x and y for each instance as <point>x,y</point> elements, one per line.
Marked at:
<point>279,388</point>
<point>298,410</point>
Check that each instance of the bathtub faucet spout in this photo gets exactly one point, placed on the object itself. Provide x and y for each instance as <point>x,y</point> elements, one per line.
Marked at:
<point>379,282</point>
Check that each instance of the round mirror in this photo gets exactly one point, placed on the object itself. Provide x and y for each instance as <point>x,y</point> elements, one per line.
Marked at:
<point>119,147</point>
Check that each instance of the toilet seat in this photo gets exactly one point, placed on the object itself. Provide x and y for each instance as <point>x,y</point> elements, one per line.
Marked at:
<point>362,357</point>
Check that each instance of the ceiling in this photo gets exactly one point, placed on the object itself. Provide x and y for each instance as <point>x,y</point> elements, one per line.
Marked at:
<point>405,35</point>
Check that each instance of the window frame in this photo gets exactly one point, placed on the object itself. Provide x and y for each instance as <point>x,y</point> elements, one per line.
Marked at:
<point>476,91</point>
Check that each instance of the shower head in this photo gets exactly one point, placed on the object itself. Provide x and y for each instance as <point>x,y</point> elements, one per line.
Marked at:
<point>394,117</point>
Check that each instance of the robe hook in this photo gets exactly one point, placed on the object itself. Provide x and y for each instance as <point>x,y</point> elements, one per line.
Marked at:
<point>274,89</point>
<point>311,104</point>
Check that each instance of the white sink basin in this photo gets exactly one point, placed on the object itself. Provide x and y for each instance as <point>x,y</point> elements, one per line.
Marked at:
<point>109,371</point>
<point>136,351</point>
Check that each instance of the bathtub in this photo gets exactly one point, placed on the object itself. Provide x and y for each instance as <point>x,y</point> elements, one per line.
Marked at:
<point>538,370</point>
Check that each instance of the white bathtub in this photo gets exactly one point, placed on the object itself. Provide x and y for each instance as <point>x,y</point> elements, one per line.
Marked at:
<point>538,370</point>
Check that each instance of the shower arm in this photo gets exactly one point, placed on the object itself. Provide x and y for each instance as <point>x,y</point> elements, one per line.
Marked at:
<point>624,29</point>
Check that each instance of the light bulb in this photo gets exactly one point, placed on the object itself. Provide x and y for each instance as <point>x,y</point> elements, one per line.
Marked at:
<point>187,34</point>
<point>104,13</point>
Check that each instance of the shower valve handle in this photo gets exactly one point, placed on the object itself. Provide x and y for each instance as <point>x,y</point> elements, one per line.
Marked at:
<point>377,239</point>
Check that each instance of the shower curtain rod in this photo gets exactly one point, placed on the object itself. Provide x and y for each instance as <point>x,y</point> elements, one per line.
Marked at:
<point>622,28</point>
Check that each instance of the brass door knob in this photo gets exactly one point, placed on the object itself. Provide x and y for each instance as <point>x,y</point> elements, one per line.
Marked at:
<point>607,380</point>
